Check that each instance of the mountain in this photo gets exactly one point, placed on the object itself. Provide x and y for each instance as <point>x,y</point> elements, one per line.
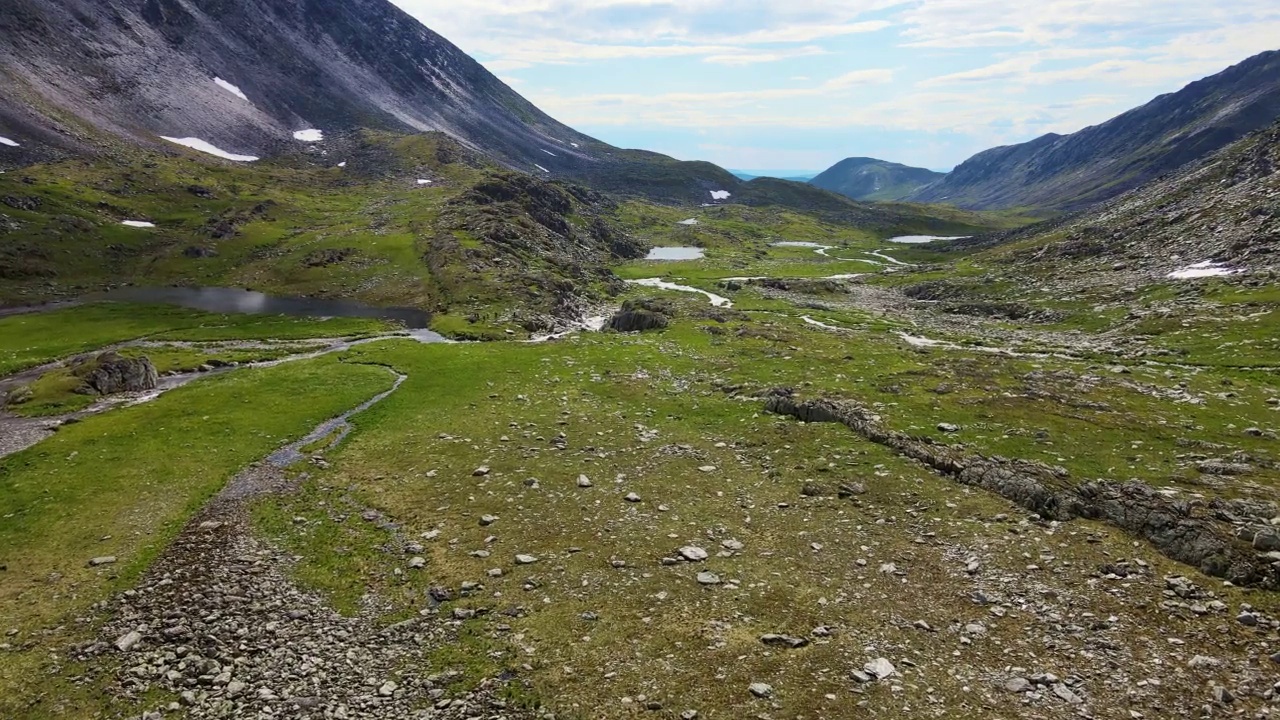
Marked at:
<point>864,178</point>
<point>80,76</point>
<point>1067,172</point>
<point>1219,215</point>
<point>792,175</point>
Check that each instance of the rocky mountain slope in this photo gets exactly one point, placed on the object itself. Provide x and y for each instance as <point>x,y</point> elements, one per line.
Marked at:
<point>246,76</point>
<point>1068,172</point>
<point>1220,217</point>
<point>864,178</point>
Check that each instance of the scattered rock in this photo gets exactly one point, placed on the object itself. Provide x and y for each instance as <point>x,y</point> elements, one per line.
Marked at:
<point>103,560</point>
<point>128,640</point>
<point>761,690</point>
<point>707,577</point>
<point>526,559</point>
<point>775,640</point>
<point>880,668</point>
<point>693,553</point>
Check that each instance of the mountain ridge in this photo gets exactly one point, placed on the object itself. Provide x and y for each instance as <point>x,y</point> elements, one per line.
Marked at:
<point>1069,172</point>
<point>245,75</point>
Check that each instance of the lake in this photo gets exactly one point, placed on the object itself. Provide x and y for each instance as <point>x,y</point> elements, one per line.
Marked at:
<point>234,300</point>
<point>918,239</point>
<point>676,253</point>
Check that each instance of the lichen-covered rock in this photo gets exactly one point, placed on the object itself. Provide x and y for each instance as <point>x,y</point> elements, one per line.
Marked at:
<point>111,373</point>
<point>642,314</point>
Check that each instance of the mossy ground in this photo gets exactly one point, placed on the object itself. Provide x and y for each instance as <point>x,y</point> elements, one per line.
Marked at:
<point>651,414</point>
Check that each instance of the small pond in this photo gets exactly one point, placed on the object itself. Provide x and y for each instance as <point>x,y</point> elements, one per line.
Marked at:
<point>676,253</point>
<point>234,300</point>
<point>919,239</point>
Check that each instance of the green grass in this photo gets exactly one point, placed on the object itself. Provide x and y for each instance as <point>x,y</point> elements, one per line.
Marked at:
<point>123,483</point>
<point>33,339</point>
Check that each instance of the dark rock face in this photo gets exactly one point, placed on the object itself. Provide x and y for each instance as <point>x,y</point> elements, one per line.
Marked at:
<point>864,178</point>
<point>110,373</point>
<point>1186,532</point>
<point>1067,172</point>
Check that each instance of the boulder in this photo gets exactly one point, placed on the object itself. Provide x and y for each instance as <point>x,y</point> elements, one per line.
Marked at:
<point>111,373</point>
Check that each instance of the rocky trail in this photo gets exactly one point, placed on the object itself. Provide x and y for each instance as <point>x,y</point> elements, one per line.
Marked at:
<point>218,622</point>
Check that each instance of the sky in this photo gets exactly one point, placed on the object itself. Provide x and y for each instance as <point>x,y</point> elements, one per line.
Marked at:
<point>797,85</point>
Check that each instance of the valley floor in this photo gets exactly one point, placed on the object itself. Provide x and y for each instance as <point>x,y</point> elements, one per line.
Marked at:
<point>616,525</point>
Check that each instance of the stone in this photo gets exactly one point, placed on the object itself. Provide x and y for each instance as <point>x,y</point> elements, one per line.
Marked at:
<point>487,520</point>
<point>632,498</point>
<point>732,545</point>
<point>1223,695</point>
<point>526,559</point>
<point>388,688</point>
<point>708,578</point>
<point>1247,619</point>
<point>775,640</point>
<point>417,563</point>
<point>584,481</point>
<point>689,715</point>
<point>693,553</point>
<point>948,428</point>
<point>128,640</point>
<point>1276,658</point>
<point>1267,541</point>
<point>111,373</point>
<point>880,668</point>
<point>761,690</point>
<point>235,687</point>
<point>103,560</point>
<point>1017,685</point>
<point>1202,662</point>
<point>1064,693</point>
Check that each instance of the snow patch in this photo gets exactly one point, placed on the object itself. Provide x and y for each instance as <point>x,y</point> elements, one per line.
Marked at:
<point>548,152</point>
<point>309,135</point>
<point>6,141</point>
<point>342,164</point>
<point>423,182</point>
<point>690,221</point>
<point>575,144</point>
<point>137,223</point>
<point>541,168</point>
<point>1208,268</point>
<point>230,88</point>
<point>716,300</point>
<point>719,194</point>
<point>800,243</point>
<point>206,147</point>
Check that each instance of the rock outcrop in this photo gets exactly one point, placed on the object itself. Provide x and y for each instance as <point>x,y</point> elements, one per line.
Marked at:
<point>641,315</point>
<point>111,373</point>
<point>1188,532</point>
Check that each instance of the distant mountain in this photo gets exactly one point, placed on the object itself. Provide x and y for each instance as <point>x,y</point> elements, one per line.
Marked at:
<point>80,76</point>
<point>863,178</point>
<point>792,175</point>
<point>1067,172</point>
